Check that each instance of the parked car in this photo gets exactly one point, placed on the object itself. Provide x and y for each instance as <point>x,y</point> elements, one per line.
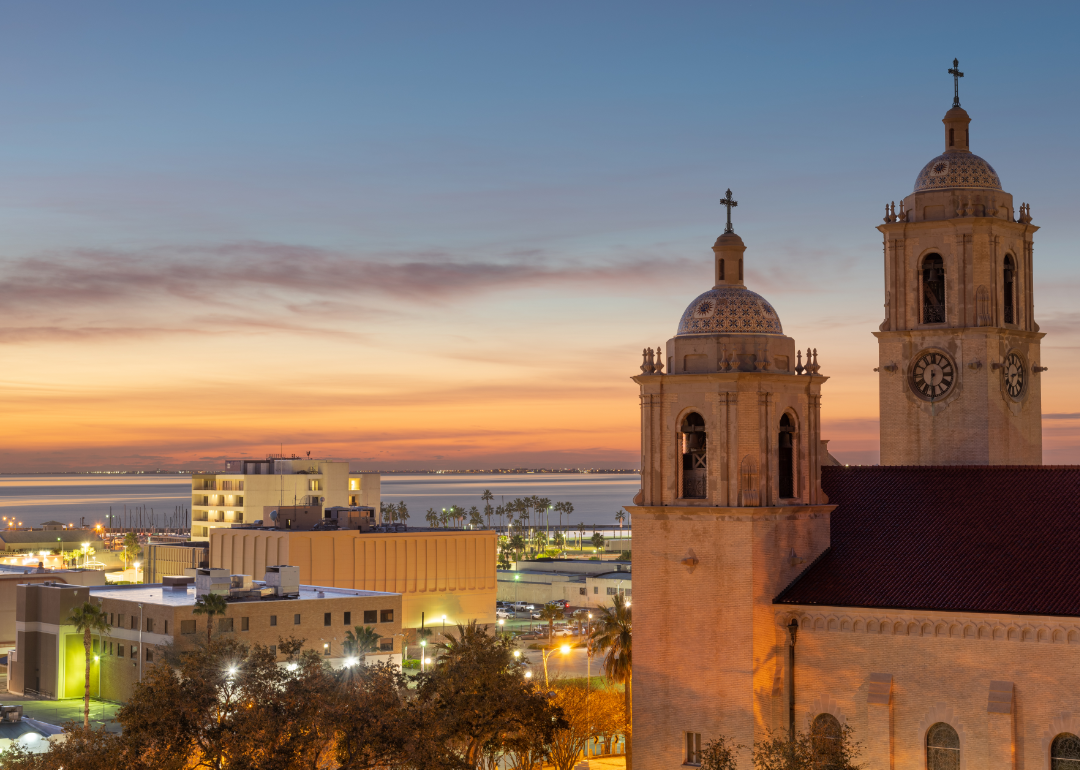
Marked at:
<point>503,614</point>
<point>581,612</point>
<point>535,615</point>
<point>562,632</point>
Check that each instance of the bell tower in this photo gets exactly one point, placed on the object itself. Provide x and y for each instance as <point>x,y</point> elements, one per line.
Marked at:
<point>959,349</point>
<point>730,511</point>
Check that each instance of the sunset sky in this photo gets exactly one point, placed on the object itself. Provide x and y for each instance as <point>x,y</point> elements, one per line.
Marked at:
<point>438,235</point>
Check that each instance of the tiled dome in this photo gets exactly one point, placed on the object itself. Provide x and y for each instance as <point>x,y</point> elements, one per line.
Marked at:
<point>957,169</point>
<point>729,310</point>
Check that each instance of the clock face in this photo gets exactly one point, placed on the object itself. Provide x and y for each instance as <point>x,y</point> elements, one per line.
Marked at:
<point>933,375</point>
<point>1014,375</point>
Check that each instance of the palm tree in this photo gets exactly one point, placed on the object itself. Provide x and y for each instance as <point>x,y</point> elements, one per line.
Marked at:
<point>432,517</point>
<point>389,512</point>
<point>551,613</point>
<point>475,519</point>
<point>500,511</point>
<point>517,543</point>
<point>210,605</point>
<point>487,497</point>
<point>559,540</point>
<point>359,644</point>
<point>611,637</point>
<point>597,541</point>
<point>543,505</point>
<point>539,540</point>
<point>581,534</point>
<point>402,512</point>
<point>444,516</point>
<point>620,516</point>
<point>88,619</point>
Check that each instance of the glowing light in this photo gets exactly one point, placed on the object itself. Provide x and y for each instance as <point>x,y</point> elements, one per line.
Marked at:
<point>517,653</point>
<point>528,674</point>
<point>232,671</point>
<point>565,649</point>
<point>350,662</point>
<point>291,667</point>
<point>426,661</point>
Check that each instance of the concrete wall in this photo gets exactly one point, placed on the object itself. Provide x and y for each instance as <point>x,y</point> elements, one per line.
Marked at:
<point>448,573</point>
<point>163,560</point>
<point>40,628</point>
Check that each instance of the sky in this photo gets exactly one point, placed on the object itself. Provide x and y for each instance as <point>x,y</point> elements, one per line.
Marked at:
<point>438,235</point>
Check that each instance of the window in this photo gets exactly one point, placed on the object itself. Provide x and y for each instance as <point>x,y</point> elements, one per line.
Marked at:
<point>314,485</point>
<point>119,650</point>
<point>95,645</point>
<point>296,619</point>
<point>695,472</point>
<point>273,650</point>
<point>386,616</point>
<point>187,627</point>
<point>348,618</point>
<point>326,649</point>
<point>626,592</point>
<point>693,749</point>
<point>386,645</point>
<point>1007,285</point>
<point>110,648</point>
<point>244,624</point>
<point>942,748</point>
<point>111,618</point>
<point>225,625</point>
<point>119,621</point>
<point>134,652</point>
<point>721,269</point>
<point>273,620</point>
<point>611,591</point>
<point>149,625</point>
<point>786,445</point>
<point>149,655</point>
<point>134,623</point>
<point>328,619</point>
<point>1065,752</point>
<point>583,591</point>
<point>371,617</point>
<point>825,738</point>
<point>933,289</point>
<point>595,590</point>
<point>952,136</point>
<point>166,632</point>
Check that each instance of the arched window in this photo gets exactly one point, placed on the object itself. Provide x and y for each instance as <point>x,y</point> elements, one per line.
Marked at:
<point>786,446</point>
<point>721,269</point>
<point>952,135</point>
<point>694,456</point>
<point>1007,282</point>
<point>748,482</point>
<point>1065,752</point>
<point>933,289</point>
<point>826,737</point>
<point>942,748</point>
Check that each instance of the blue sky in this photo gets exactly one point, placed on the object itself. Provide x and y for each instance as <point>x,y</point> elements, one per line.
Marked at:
<point>477,204</point>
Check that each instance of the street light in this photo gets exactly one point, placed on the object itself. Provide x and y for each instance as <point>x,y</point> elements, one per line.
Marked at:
<point>137,565</point>
<point>423,654</point>
<point>564,649</point>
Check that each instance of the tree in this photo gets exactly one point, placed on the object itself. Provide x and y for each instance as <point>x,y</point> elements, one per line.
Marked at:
<point>132,549</point>
<point>543,507</point>
<point>477,695</point>
<point>88,619</point>
<point>487,497</point>
<point>444,516</point>
<point>517,543</point>
<point>432,517</point>
<point>597,540</point>
<point>362,640</point>
<point>500,511</point>
<point>826,745</point>
<point>402,512</point>
<point>588,713</point>
<point>620,516</point>
<point>581,534</point>
<point>551,613</point>
<point>612,638</point>
<point>720,754</point>
<point>389,512</point>
<point>559,540</point>
<point>539,540</point>
<point>210,605</point>
<point>475,519</point>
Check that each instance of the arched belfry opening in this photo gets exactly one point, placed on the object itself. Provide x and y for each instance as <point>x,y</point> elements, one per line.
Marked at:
<point>694,457</point>
<point>933,289</point>
<point>1008,283</point>
<point>786,445</point>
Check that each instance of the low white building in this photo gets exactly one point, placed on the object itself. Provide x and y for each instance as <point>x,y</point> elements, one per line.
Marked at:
<point>581,583</point>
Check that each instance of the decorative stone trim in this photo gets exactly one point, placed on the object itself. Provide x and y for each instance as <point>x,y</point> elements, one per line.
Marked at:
<point>941,712</point>
<point>824,704</point>
<point>1065,722</point>
<point>952,627</point>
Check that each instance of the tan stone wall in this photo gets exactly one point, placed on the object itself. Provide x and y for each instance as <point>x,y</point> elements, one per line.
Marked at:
<point>448,573</point>
<point>705,645</point>
<point>941,665</point>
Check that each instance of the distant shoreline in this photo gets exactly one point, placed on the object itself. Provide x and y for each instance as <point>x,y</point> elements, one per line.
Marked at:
<point>489,472</point>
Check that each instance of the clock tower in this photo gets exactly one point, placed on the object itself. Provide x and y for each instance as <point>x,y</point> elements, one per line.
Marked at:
<point>959,349</point>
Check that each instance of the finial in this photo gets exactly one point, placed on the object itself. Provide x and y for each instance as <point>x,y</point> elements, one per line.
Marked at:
<point>799,367</point>
<point>659,362</point>
<point>956,75</point>
<point>730,205</point>
<point>644,361</point>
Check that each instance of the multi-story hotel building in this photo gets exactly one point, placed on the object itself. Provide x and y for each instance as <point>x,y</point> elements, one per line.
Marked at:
<point>250,490</point>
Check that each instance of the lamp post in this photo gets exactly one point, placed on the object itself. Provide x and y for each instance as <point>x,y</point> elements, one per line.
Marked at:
<point>137,565</point>
<point>564,649</point>
<point>423,655</point>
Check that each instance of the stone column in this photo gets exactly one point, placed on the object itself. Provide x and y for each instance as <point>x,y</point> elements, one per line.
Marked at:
<point>1001,728</point>
<point>733,448</point>
<point>772,457</point>
<point>879,728</point>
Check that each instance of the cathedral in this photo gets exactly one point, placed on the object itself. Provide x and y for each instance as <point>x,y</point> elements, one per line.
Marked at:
<point>931,603</point>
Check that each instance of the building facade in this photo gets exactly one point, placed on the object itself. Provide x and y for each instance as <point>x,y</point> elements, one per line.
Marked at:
<point>49,657</point>
<point>930,604</point>
<point>437,572</point>
<point>252,490</point>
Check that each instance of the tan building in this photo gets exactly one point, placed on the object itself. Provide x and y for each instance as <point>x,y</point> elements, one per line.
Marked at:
<point>252,490</point>
<point>935,610</point>
<point>49,656</point>
<point>438,572</point>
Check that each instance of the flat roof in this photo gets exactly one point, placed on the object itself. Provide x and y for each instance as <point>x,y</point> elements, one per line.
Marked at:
<point>155,593</point>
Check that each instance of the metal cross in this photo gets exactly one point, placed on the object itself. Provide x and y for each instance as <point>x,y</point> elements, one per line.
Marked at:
<point>956,75</point>
<point>730,205</point>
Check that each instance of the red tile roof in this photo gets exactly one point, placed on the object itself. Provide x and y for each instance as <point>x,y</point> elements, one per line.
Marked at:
<point>956,538</point>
